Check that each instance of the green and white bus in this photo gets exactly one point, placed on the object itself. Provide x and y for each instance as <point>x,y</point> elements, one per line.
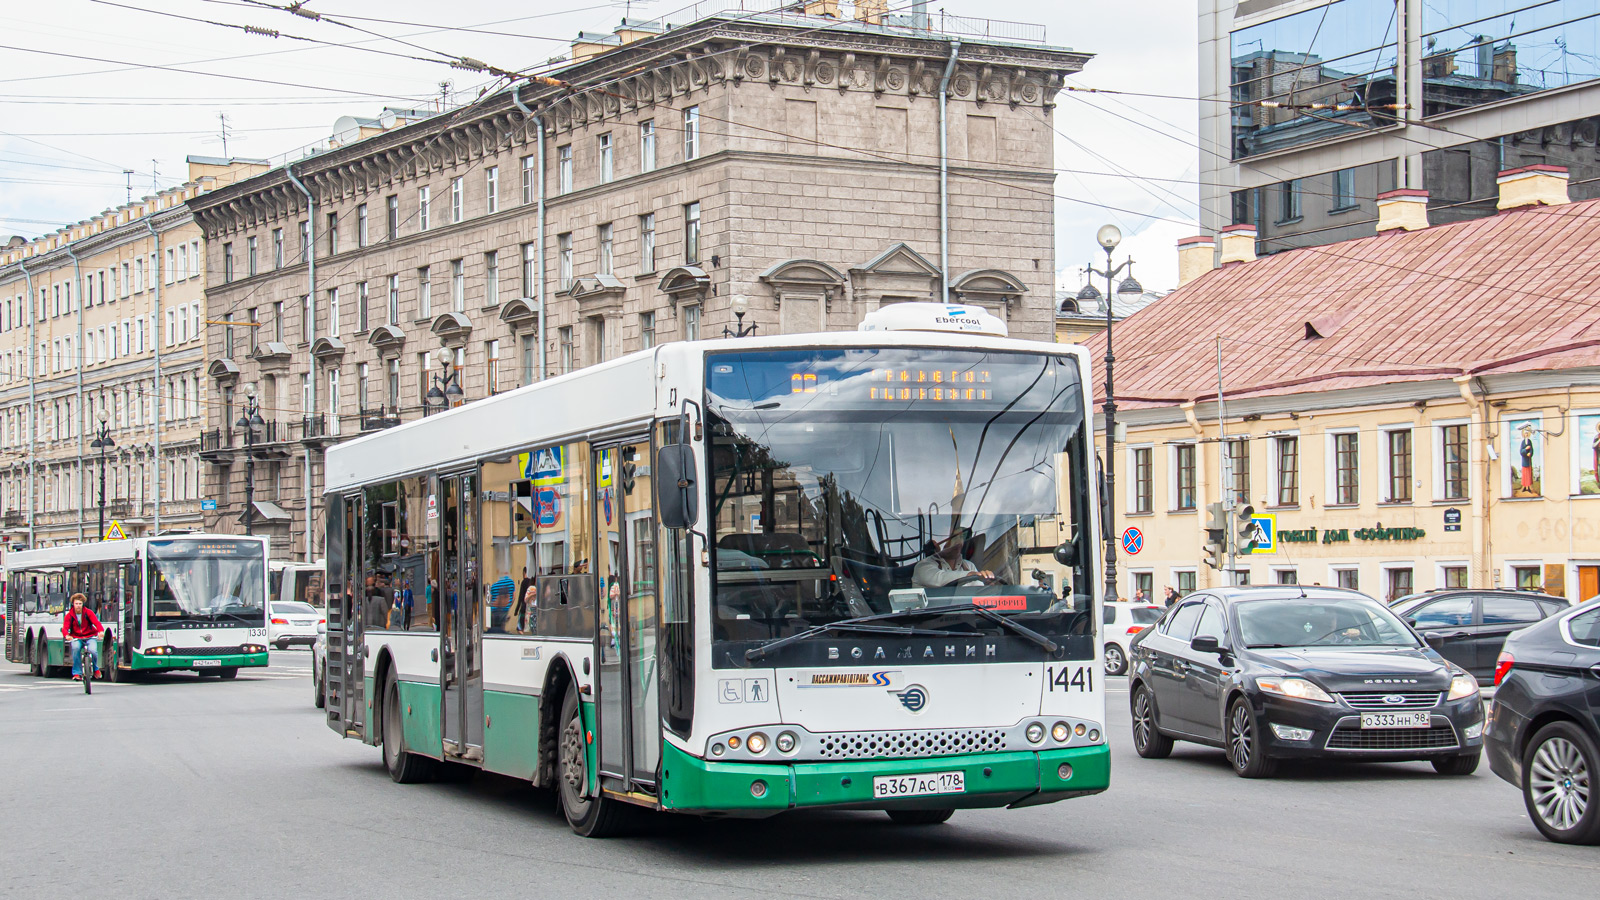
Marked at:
<point>736,577</point>
<point>189,601</point>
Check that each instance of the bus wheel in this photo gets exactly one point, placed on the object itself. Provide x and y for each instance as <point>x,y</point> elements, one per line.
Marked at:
<point>920,816</point>
<point>318,687</point>
<point>35,660</point>
<point>228,673</point>
<point>43,657</point>
<point>108,661</point>
<point>404,766</point>
<point>589,816</point>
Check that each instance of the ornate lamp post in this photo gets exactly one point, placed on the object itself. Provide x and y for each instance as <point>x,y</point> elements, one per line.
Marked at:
<point>741,306</point>
<point>1108,238</point>
<point>446,390</point>
<point>252,424</point>
<point>103,442</point>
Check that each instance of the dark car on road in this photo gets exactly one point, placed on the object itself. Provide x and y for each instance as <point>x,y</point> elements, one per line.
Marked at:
<point>1543,731</point>
<point>1271,673</point>
<point>1468,626</point>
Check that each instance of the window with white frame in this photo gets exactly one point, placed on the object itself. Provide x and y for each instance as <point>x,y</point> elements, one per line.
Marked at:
<point>530,172</point>
<point>422,208</point>
<point>647,145</point>
<point>1399,581</point>
<point>424,293</point>
<point>394,300</point>
<point>607,167</point>
<point>491,278</point>
<point>458,285</point>
<point>1344,475</point>
<point>1285,470</point>
<point>491,178</point>
<point>1451,464</point>
<point>647,243</point>
<point>1453,575</point>
<point>1141,466</point>
<point>530,270</point>
<point>564,169</point>
<point>361,225</point>
<point>564,260</point>
<point>605,248</point>
<point>1285,575</point>
<point>1395,464</point>
<point>691,322</point>
<point>333,312</point>
<point>691,133</point>
<point>457,200</point>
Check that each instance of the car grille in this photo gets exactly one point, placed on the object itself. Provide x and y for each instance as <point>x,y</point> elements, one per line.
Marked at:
<point>1374,700</point>
<point>206,651</point>
<point>1348,738</point>
<point>943,742</point>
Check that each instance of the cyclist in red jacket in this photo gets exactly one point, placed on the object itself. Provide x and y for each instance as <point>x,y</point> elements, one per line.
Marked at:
<point>81,628</point>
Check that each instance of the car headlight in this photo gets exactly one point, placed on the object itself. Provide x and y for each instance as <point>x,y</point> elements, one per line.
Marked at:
<point>1294,689</point>
<point>1462,686</point>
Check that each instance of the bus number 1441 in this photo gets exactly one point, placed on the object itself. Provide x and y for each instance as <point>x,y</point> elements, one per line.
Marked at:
<point>1070,678</point>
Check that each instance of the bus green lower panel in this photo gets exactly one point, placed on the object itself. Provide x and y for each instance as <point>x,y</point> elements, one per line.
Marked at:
<point>144,662</point>
<point>991,779</point>
<point>511,734</point>
<point>419,705</point>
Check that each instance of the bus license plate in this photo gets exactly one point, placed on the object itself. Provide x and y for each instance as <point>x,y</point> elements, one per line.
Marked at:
<point>929,784</point>
<point>1396,720</point>
<point>202,663</point>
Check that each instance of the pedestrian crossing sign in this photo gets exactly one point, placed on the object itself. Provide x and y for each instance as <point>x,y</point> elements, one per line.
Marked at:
<point>1264,534</point>
<point>115,532</point>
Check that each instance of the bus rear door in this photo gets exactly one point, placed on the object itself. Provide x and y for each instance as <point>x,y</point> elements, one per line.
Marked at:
<point>461,624</point>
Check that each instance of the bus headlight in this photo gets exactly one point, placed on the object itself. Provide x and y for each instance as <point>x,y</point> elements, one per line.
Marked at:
<point>756,743</point>
<point>786,742</point>
<point>1059,732</point>
<point>1035,732</point>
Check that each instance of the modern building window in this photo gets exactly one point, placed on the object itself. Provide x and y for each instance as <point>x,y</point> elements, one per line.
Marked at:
<point>422,208</point>
<point>361,225</point>
<point>691,133</point>
<point>691,322</point>
<point>647,145</point>
<point>647,330</point>
<point>607,167</point>
<point>564,169</point>
<point>564,341</point>
<point>227,263</point>
<point>1287,487</point>
<point>564,260</point>
<point>458,285</point>
<point>1143,480</point>
<point>491,278</point>
<point>333,233</point>
<point>392,214</point>
<point>1475,48</point>
<point>394,299</point>
<point>1453,446</point>
<point>457,200</point>
<point>362,296</point>
<point>1397,449</point>
<point>491,178</point>
<point>1346,468</point>
<point>691,233</point>
<point>491,354</point>
<point>1238,458</point>
<point>424,293</point>
<point>1289,200</point>
<point>277,248</point>
<point>647,243</point>
<point>1344,189</point>
<point>1183,467</point>
<point>530,172</point>
<point>605,248</point>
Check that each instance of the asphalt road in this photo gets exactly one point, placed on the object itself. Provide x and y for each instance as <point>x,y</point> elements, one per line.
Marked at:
<point>202,788</point>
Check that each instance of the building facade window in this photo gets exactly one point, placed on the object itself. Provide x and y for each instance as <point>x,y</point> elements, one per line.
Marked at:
<point>362,298</point>
<point>1397,452</point>
<point>1344,189</point>
<point>647,145</point>
<point>491,188</point>
<point>1400,582</point>
<point>564,341</point>
<point>564,169</point>
<point>457,198</point>
<point>361,225</point>
<point>564,260</point>
<point>249,257</point>
<point>491,354</point>
<point>305,241</point>
<point>647,330</point>
<point>422,207</point>
<point>392,384</point>
<point>1453,450</point>
<point>647,243</point>
<point>691,322</point>
<point>277,249</point>
<point>1143,480</point>
<point>424,293</point>
<point>607,167</point>
<point>333,233</point>
<point>1286,488</point>
<point>1289,200</point>
<point>392,217</point>
<point>1451,576</point>
<point>1346,468</point>
<point>491,278</point>
<point>530,172</point>
<point>691,233</point>
<point>394,300</point>
<point>458,285</point>
<point>1527,578</point>
<point>333,312</point>
<point>691,133</point>
<point>604,235</point>
<point>529,357</point>
<point>1238,458</point>
<point>530,270</point>
<point>227,263</point>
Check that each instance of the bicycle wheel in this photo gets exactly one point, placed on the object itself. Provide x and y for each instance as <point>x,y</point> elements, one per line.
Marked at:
<point>86,665</point>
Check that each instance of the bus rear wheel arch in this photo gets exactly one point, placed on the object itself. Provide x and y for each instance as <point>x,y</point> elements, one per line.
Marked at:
<point>404,766</point>
<point>589,815</point>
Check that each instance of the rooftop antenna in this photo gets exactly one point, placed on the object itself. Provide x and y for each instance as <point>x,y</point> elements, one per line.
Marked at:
<point>155,174</point>
<point>222,117</point>
<point>128,173</point>
<point>444,94</point>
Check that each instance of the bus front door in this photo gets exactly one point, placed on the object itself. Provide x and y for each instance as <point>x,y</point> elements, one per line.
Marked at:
<point>628,702</point>
<point>461,622</point>
<point>347,645</point>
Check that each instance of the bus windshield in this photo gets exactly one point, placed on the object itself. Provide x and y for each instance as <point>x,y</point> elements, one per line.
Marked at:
<point>206,583</point>
<point>859,482</point>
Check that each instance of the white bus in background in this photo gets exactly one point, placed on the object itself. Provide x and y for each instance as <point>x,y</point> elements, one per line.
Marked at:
<point>701,578</point>
<point>299,582</point>
<point>189,601</point>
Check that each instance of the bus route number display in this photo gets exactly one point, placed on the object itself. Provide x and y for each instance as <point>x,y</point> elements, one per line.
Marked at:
<point>1069,678</point>
<point>937,385</point>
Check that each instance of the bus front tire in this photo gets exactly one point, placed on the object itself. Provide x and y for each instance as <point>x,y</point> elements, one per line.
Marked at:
<point>404,766</point>
<point>920,816</point>
<point>589,816</point>
<point>319,687</point>
<point>36,660</point>
<point>228,673</point>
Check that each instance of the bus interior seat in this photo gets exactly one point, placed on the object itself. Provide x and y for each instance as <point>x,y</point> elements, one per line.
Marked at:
<point>779,550</point>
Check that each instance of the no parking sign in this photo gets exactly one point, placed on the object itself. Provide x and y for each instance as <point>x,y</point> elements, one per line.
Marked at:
<point>1132,540</point>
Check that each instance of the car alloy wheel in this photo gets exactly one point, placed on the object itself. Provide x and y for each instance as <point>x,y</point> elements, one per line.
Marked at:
<point>1116,662</point>
<point>1148,741</point>
<point>1244,747</point>
<point>1559,783</point>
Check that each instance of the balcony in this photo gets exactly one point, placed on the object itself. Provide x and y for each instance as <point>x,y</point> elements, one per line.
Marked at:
<point>379,418</point>
<point>314,429</point>
<point>13,519</point>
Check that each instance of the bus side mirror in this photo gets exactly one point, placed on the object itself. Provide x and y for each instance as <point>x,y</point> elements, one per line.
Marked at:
<point>1066,553</point>
<point>677,500</point>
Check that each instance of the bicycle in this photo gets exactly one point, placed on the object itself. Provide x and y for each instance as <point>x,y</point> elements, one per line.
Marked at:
<point>88,661</point>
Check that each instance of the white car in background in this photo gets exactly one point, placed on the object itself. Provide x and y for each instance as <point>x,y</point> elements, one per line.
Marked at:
<point>319,667</point>
<point>292,622</point>
<point>1118,625</point>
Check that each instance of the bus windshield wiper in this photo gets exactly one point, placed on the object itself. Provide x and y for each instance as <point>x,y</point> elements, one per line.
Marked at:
<point>861,625</point>
<point>983,611</point>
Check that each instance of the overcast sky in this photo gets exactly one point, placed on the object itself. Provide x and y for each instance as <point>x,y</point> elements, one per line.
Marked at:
<point>81,103</point>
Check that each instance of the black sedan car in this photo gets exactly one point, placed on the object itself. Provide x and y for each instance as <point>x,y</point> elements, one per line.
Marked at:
<point>1543,732</point>
<point>1269,673</point>
<point>1468,626</point>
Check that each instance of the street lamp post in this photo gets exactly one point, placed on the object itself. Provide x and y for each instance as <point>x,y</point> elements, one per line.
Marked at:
<point>103,442</point>
<point>1108,237</point>
<point>251,422</point>
<point>741,306</point>
<point>446,390</point>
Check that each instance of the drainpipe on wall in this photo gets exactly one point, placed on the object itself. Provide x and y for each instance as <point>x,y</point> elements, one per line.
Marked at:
<point>538,121</point>
<point>33,415</point>
<point>77,285</point>
<point>311,301</point>
<point>1479,477</point>
<point>155,395</point>
<point>944,175</point>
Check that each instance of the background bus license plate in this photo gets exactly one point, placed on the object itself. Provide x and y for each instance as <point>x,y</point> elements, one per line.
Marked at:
<point>199,663</point>
<point>1396,720</point>
<point>928,784</point>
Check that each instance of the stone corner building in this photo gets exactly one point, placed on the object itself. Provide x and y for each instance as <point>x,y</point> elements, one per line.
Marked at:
<point>790,160</point>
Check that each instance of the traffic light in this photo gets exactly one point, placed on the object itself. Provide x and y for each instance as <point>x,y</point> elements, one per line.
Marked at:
<point>1216,535</point>
<point>1247,529</point>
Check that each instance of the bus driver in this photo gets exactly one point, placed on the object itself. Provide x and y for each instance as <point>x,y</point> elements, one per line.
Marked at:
<point>945,566</point>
